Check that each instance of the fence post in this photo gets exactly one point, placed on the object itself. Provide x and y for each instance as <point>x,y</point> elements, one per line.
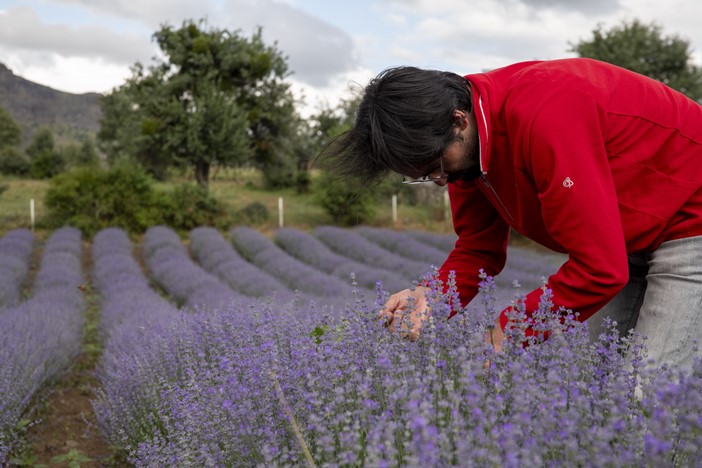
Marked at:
<point>31,212</point>
<point>394,210</point>
<point>280,212</point>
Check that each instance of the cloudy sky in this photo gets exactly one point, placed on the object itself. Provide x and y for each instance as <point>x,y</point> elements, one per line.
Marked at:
<point>332,46</point>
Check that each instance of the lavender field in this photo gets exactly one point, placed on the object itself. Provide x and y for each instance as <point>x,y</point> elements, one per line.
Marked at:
<point>238,349</point>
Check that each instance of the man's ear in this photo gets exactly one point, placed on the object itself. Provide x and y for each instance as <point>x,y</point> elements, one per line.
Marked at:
<point>460,120</point>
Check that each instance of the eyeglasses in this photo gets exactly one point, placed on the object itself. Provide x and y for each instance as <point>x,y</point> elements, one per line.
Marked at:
<point>427,178</point>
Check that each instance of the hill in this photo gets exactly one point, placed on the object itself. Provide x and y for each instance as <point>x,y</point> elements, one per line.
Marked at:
<point>70,116</point>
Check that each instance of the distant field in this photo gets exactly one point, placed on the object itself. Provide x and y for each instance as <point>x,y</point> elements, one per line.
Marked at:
<point>236,189</point>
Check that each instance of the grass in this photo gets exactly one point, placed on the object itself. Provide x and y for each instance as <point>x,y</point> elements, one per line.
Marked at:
<point>15,201</point>
<point>235,188</point>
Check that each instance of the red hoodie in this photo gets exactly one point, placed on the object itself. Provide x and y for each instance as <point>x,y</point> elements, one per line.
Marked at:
<point>585,158</point>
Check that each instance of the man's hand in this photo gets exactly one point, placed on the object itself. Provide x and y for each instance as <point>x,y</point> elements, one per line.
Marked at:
<point>495,335</point>
<point>397,316</point>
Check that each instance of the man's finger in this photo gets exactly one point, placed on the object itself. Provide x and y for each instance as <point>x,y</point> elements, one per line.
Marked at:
<point>385,318</point>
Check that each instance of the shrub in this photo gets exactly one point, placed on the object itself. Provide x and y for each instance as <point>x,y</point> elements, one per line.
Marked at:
<point>188,206</point>
<point>347,204</point>
<point>46,165</point>
<point>254,213</point>
<point>13,162</point>
<point>92,199</point>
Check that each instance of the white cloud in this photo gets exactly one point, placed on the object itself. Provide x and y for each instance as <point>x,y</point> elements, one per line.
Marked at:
<point>71,74</point>
<point>72,43</point>
<point>342,86</point>
<point>23,29</point>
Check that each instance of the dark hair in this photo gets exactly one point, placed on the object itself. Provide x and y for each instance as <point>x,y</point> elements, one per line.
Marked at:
<point>403,124</point>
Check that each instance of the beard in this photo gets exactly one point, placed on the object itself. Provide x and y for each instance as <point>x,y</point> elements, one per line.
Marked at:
<point>470,161</point>
<point>467,175</point>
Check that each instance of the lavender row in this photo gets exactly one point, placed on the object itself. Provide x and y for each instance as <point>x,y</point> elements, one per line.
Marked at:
<point>40,338</point>
<point>135,323</point>
<point>219,257</point>
<point>360,249</point>
<point>262,252</point>
<point>15,254</point>
<point>404,245</point>
<point>443,242</point>
<point>125,292</point>
<point>310,250</point>
<point>171,266</point>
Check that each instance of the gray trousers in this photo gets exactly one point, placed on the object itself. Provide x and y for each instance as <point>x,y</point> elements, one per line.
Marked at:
<point>663,302</point>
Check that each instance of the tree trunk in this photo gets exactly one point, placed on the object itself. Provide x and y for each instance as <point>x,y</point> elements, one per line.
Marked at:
<point>202,174</point>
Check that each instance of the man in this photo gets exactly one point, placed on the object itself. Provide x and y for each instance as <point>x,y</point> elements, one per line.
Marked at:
<point>583,157</point>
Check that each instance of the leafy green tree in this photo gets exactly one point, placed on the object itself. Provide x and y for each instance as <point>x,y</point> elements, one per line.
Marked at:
<point>346,201</point>
<point>644,49</point>
<point>13,162</point>
<point>10,131</point>
<point>216,98</point>
<point>343,199</point>
<point>45,160</point>
<point>83,154</point>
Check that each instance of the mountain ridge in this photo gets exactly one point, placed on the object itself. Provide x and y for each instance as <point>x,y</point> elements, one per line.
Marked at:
<point>71,117</point>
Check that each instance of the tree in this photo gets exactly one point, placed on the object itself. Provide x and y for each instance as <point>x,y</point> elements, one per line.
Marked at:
<point>643,48</point>
<point>13,162</point>
<point>45,161</point>
<point>216,98</point>
<point>10,131</point>
<point>83,154</point>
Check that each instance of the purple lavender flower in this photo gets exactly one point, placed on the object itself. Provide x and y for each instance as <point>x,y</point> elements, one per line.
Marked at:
<point>41,336</point>
<point>217,256</point>
<point>15,254</point>
<point>263,253</point>
<point>357,247</point>
<point>312,251</point>
<point>189,284</point>
<point>285,384</point>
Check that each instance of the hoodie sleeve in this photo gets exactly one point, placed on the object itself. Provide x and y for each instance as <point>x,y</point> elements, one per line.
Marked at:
<point>482,239</point>
<point>565,154</point>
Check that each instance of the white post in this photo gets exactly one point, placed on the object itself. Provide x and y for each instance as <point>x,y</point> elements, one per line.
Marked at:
<point>394,210</point>
<point>280,212</point>
<point>31,212</point>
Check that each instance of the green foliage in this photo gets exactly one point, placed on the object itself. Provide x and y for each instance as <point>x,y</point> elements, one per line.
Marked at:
<point>216,98</point>
<point>280,172</point>
<point>42,142</point>
<point>643,48</point>
<point>10,131</point>
<point>47,165</point>
<point>72,458</point>
<point>45,160</point>
<point>188,206</point>
<point>92,199</point>
<point>254,213</point>
<point>345,201</point>
<point>80,155</point>
<point>13,162</point>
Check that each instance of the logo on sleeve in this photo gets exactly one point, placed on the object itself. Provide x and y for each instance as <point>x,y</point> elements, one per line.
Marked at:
<point>567,183</point>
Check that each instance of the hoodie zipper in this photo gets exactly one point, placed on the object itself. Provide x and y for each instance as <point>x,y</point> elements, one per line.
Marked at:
<point>491,189</point>
<point>483,172</point>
